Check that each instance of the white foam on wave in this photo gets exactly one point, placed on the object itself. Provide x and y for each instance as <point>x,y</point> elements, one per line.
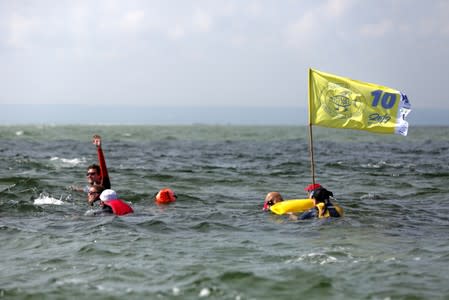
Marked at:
<point>70,281</point>
<point>67,161</point>
<point>323,256</point>
<point>47,200</point>
<point>370,196</point>
<point>318,258</point>
<point>90,212</point>
<point>382,164</point>
<point>205,292</point>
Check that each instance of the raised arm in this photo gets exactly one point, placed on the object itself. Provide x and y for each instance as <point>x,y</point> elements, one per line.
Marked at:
<point>105,181</point>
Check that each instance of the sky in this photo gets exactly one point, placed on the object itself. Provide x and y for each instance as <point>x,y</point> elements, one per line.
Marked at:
<point>215,54</point>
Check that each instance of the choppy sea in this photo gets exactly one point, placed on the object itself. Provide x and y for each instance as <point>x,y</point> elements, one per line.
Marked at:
<point>214,242</point>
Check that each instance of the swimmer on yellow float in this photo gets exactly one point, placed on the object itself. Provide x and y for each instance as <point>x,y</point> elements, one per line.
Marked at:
<point>319,198</point>
<point>276,204</point>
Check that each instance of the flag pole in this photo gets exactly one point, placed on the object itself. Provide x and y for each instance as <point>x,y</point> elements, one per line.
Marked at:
<point>312,160</point>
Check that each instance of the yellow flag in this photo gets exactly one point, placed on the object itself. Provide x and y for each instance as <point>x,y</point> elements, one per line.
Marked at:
<point>341,102</point>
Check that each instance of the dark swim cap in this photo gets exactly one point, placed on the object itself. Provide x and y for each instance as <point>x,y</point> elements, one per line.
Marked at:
<point>321,194</point>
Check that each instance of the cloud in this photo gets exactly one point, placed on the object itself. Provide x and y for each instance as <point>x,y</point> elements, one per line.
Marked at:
<point>435,23</point>
<point>132,20</point>
<point>376,30</point>
<point>176,32</point>
<point>422,22</point>
<point>76,51</point>
<point>336,8</point>
<point>20,30</point>
<point>202,21</point>
<point>444,11</point>
<point>238,40</point>
<point>302,29</point>
<point>315,21</point>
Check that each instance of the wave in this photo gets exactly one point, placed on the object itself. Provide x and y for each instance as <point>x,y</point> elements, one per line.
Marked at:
<point>47,200</point>
<point>70,162</point>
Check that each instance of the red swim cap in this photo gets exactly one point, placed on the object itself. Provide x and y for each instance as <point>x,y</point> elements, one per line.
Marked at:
<point>165,196</point>
<point>312,187</point>
<point>265,206</point>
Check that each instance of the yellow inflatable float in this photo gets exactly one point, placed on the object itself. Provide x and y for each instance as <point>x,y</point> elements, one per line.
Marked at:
<point>297,205</point>
<point>292,206</point>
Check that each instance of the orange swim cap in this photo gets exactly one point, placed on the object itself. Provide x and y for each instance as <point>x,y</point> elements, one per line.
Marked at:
<point>165,196</point>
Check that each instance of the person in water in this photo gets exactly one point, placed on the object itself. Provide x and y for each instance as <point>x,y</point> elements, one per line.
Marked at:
<point>165,196</point>
<point>271,199</point>
<point>96,174</point>
<point>110,203</point>
<point>93,194</point>
<point>323,208</point>
<point>275,197</point>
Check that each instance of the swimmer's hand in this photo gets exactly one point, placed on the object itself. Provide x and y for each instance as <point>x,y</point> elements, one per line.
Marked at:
<point>292,216</point>
<point>75,188</point>
<point>96,140</point>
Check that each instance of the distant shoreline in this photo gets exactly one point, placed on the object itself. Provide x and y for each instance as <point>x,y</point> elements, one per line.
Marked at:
<point>19,114</point>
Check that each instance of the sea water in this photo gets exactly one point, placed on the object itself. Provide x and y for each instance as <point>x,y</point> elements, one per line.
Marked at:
<point>215,242</point>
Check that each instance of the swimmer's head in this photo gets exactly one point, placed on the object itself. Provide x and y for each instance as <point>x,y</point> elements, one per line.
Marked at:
<point>165,196</point>
<point>271,199</point>
<point>94,193</point>
<point>108,195</point>
<point>321,195</point>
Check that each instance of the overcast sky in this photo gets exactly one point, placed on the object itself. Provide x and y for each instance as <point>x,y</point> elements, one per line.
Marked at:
<point>218,53</point>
